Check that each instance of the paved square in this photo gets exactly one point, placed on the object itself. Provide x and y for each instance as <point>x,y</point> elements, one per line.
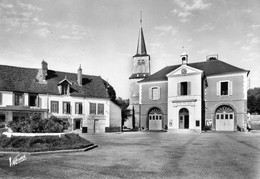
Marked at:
<point>173,154</point>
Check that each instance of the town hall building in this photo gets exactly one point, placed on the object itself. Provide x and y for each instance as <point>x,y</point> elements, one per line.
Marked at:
<point>210,93</point>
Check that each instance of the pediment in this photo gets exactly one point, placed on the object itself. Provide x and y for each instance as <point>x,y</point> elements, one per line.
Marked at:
<point>184,70</point>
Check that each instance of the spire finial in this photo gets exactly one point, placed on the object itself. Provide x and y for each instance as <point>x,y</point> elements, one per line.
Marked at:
<point>141,20</point>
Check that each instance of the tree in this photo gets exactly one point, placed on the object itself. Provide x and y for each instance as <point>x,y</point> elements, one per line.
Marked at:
<point>110,90</point>
<point>251,104</point>
<point>253,100</point>
<point>125,112</point>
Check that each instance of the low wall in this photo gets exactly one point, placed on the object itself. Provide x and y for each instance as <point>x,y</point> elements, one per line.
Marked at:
<point>113,129</point>
<point>255,122</point>
<point>10,134</point>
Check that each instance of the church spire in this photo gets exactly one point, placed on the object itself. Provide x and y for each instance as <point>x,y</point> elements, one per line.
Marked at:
<point>141,49</point>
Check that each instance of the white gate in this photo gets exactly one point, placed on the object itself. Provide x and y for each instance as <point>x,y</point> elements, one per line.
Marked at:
<point>155,119</point>
<point>225,119</point>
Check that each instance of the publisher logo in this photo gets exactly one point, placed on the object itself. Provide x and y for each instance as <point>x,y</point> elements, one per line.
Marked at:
<point>17,159</point>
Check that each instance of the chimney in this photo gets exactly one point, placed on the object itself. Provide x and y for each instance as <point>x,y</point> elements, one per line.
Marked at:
<point>212,57</point>
<point>80,76</point>
<point>44,70</point>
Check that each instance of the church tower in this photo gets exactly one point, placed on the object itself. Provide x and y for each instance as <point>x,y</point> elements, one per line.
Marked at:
<point>140,70</point>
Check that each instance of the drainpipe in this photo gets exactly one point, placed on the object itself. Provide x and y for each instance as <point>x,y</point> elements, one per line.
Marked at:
<point>48,106</point>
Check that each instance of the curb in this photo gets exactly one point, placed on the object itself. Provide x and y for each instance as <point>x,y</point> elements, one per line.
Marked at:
<point>91,146</point>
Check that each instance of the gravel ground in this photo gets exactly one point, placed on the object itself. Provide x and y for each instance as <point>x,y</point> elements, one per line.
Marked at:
<point>175,154</point>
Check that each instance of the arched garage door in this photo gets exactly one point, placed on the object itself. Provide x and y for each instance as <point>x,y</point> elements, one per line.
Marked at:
<point>225,118</point>
<point>155,119</point>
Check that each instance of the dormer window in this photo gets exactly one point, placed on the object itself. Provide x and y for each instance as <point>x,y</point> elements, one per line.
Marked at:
<point>64,87</point>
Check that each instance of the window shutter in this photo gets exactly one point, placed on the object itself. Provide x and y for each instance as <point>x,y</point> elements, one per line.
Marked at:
<point>230,88</point>
<point>59,88</point>
<point>150,93</point>
<point>178,89</point>
<point>189,88</point>
<point>218,88</point>
<point>13,99</point>
<point>80,108</point>
<point>1,98</point>
<point>23,99</point>
<point>64,107</point>
<point>68,108</point>
<point>68,90</point>
<point>159,93</point>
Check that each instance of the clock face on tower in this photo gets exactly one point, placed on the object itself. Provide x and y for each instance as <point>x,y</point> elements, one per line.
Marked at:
<point>183,71</point>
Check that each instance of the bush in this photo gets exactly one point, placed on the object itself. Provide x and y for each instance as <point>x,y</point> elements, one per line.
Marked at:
<point>34,124</point>
<point>42,143</point>
<point>206,128</point>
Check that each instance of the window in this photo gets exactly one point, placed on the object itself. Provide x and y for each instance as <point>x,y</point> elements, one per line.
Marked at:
<point>154,93</point>
<point>184,88</point>
<point>2,118</point>
<point>101,109</point>
<point>1,98</point>
<point>224,88</point>
<point>92,109</point>
<point>18,99</point>
<point>64,89</point>
<point>78,108</point>
<point>54,106</point>
<point>33,100</point>
<point>226,116</point>
<point>197,123</point>
<point>66,107</point>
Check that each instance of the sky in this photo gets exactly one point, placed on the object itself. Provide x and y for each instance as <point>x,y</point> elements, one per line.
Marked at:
<point>101,35</point>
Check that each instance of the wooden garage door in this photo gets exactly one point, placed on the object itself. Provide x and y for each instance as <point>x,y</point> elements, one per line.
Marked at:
<point>155,119</point>
<point>225,119</point>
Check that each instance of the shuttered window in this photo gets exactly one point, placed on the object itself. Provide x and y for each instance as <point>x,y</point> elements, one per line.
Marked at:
<point>154,93</point>
<point>224,88</point>
<point>54,106</point>
<point>92,108</point>
<point>33,100</point>
<point>78,108</point>
<point>101,109</point>
<point>66,107</point>
<point>18,99</point>
<point>183,88</point>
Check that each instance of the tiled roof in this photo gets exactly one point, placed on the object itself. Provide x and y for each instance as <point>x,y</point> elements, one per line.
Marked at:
<point>24,80</point>
<point>210,68</point>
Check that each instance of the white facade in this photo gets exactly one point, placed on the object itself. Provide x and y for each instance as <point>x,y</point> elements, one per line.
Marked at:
<point>191,101</point>
<point>86,118</point>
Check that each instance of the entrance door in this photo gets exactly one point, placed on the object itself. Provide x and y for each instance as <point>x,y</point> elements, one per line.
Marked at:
<point>225,119</point>
<point>77,124</point>
<point>155,119</point>
<point>184,121</point>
